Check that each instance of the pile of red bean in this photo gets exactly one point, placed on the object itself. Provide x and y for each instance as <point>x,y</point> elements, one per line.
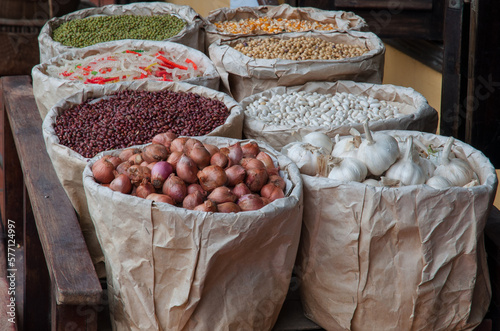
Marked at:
<point>132,118</point>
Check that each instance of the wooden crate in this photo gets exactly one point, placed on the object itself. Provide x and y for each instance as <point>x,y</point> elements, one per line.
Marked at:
<point>19,45</point>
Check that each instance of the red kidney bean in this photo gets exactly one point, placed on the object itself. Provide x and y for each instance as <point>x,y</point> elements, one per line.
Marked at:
<point>134,117</point>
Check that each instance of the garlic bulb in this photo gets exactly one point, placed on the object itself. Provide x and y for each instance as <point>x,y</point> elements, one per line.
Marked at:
<point>406,170</point>
<point>347,147</point>
<point>320,140</point>
<point>347,169</point>
<point>438,182</point>
<point>389,182</point>
<point>402,149</point>
<point>372,182</point>
<point>427,166</point>
<point>456,170</point>
<point>378,151</point>
<point>305,156</point>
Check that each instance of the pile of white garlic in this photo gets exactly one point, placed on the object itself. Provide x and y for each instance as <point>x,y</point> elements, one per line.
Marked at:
<point>315,109</point>
<point>379,159</point>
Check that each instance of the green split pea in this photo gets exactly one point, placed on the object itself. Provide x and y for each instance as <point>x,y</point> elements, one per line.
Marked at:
<point>97,29</point>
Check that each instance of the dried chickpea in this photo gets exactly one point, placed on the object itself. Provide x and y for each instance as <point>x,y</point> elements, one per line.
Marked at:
<point>301,48</point>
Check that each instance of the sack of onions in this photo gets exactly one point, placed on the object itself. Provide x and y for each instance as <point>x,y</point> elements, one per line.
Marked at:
<point>251,65</point>
<point>279,115</point>
<point>116,62</point>
<point>143,21</point>
<point>228,23</point>
<point>413,231</point>
<point>100,118</point>
<point>193,235</point>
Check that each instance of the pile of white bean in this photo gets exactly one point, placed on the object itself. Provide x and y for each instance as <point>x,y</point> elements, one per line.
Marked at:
<point>315,109</point>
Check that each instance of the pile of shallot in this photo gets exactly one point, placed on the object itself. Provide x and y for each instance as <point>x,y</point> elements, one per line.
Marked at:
<point>185,172</point>
<point>380,159</point>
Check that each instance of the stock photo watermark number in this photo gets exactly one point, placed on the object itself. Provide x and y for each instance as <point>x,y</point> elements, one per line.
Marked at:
<point>11,270</point>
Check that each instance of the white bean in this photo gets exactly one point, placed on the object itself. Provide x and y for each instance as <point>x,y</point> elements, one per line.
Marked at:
<point>304,108</point>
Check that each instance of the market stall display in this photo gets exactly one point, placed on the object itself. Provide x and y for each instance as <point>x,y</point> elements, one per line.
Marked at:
<point>156,20</point>
<point>117,62</point>
<point>97,119</point>
<point>173,268</point>
<point>365,244</point>
<point>228,23</point>
<point>244,75</point>
<point>282,115</point>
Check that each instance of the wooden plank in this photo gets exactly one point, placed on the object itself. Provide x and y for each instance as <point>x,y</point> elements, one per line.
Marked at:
<point>71,269</point>
<point>393,20</point>
<point>36,276</point>
<point>385,4</point>
<point>454,78</point>
<point>74,317</point>
<point>484,83</point>
<point>13,183</point>
<point>2,154</point>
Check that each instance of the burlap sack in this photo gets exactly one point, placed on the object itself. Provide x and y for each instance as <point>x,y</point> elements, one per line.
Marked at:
<point>48,89</point>
<point>69,164</point>
<point>419,116</point>
<point>170,268</point>
<point>406,258</point>
<point>243,76</point>
<point>344,20</point>
<point>191,35</point>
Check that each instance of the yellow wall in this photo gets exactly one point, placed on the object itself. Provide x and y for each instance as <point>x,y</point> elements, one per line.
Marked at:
<point>402,70</point>
<point>202,7</point>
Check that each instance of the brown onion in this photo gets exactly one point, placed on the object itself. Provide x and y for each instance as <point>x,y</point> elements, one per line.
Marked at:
<point>219,159</point>
<point>212,149</point>
<point>122,167</point>
<point>211,177</point>
<point>192,200</point>
<point>278,181</point>
<point>164,139</point>
<point>252,163</point>
<point>235,175</point>
<point>154,153</point>
<point>144,189</point>
<point>102,170</point>
<point>199,155</point>
<point>272,192</point>
<point>266,159</point>
<point>266,201</point>
<point>241,189</point>
<point>151,165</point>
<point>196,187</point>
<point>174,158</point>
<point>113,159</point>
<point>250,149</point>
<point>137,158</point>
<point>138,173</point>
<point>161,198</point>
<point>250,202</point>
<point>222,194</point>
<point>175,187</point>
<point>177,144</point>
<point>273,171</point>
<point>187,169</point>
<point>127,153</point>
<point>256,178</point>
<point>235,153</point>
<point>190,143</point>
<point>228,207</point>
<point>121,183</point>
<point>207,205</point>
<point>160,172</point>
